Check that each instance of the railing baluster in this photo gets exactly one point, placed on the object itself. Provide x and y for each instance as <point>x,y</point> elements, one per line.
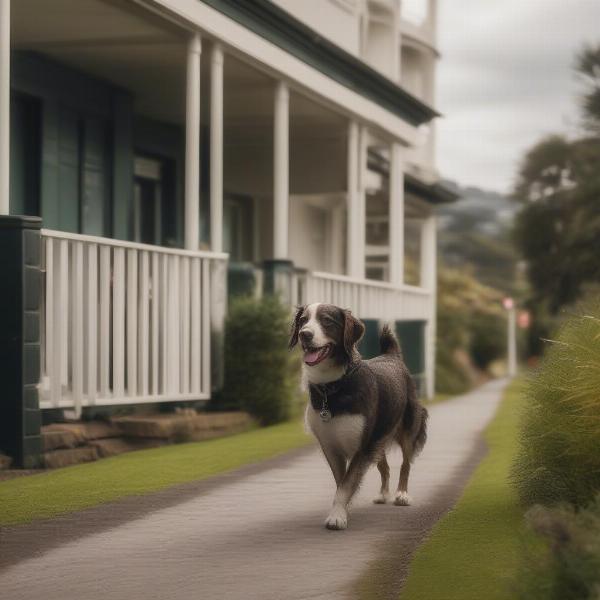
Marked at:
<point>132,322</point>
<point>144,326</point>
<point>104,346</point>
<point>196,350</point>
<point>155,322</point>
<point>119,323</point>
<point>63,316</point>
<point>185,325</point>
<point>91,304</point>
<point>77,316</point>
<point>164,323</point>
<point>173,327</point>
<point>205,326</point>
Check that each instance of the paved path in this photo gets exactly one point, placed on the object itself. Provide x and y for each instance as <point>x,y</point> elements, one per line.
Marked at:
<point>254,534</point>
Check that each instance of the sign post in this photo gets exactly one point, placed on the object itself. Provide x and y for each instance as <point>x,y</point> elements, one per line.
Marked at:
<point>509,305</point>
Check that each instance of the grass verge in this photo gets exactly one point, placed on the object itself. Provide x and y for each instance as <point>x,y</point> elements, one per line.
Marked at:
<point>472,553</point>
<point>74,488</point>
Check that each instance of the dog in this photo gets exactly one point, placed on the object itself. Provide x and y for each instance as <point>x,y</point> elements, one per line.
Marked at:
<point>357,408</point>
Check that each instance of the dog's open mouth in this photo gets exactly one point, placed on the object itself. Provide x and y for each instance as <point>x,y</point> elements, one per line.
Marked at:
<point>313,356</point>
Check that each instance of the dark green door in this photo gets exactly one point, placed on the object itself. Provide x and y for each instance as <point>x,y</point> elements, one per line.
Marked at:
<point>412,340</point>
<point>24,155</point>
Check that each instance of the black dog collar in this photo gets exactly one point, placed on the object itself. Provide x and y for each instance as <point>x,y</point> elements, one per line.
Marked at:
<point>328,389</point>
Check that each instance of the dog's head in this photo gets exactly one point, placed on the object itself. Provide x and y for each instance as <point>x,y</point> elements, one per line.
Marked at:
<point>327,334</point>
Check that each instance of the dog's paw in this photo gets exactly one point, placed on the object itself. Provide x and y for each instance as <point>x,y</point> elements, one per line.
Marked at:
<point>381,499</point>
<point>402,499</point>
<point>337,519</point>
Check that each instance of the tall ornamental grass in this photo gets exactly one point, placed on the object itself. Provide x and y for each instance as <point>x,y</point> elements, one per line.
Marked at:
<point>559,457</point>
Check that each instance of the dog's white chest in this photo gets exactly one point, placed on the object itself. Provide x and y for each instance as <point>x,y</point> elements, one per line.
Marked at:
<point>343,432</point>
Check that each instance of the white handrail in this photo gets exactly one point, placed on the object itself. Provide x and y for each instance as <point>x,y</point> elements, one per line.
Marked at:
<point>93,239</point>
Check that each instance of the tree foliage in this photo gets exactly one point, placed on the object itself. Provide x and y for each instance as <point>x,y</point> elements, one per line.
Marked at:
<point>558,184</point>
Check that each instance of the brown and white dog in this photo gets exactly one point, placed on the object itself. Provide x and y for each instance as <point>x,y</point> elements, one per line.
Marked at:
<point>357,408</point>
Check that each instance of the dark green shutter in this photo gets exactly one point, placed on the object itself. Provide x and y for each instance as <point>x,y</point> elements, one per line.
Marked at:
<point>412,340</point>
<point>95,182</point>
<point>68,170</point>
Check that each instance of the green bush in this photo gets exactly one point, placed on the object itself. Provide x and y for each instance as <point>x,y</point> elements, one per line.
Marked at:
<point>450,376</point>
<point>559,457</point>
<point>564,564</point>
<point>260,374</point>
<point>488,338</point>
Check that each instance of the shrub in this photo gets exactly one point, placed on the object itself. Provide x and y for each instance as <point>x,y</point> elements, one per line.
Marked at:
<point>450,375</point>
<point>488,338</point>
<point>566,565</point>
<point>259,371</point>
<point>559,458</point>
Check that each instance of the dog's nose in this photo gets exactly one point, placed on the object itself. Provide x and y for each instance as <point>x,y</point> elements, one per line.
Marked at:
<point>306,336</point>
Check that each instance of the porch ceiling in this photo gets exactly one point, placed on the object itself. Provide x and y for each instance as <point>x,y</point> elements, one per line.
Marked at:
<point>111,40</point>
<point>135,49</point>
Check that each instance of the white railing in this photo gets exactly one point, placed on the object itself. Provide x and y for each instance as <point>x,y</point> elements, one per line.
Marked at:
<point>123,323</point>
<point>367,298</point>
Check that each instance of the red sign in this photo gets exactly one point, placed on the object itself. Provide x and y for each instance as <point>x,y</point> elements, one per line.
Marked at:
<point>508,303</point>
<point>524,319</point>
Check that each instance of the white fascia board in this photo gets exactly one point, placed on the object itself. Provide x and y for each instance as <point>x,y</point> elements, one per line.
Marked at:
<point>278,63</point>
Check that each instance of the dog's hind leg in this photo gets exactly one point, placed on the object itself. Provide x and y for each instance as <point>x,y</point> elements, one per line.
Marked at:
<point>402,497</point>
<point>384,470</point>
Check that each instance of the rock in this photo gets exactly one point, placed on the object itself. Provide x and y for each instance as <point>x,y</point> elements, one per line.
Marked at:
<point>57,438</point>
<point>71,456</point>
<point>5,462</point>
<point>181,426</point>
<point>113,446</point>
<point>85,430</point>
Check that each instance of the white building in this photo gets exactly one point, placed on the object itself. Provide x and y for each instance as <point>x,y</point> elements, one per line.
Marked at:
<point>162,140</point>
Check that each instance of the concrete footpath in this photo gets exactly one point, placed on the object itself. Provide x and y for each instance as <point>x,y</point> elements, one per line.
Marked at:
<point>254,534</point>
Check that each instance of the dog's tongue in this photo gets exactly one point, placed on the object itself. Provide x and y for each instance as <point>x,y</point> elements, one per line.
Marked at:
<point>311,355</point>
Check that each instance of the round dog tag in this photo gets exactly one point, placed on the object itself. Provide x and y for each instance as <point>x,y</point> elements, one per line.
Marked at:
<point>325,415</point>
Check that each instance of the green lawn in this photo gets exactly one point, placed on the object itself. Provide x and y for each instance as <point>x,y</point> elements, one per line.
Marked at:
<point>472,553</point>
<point>73,488</point>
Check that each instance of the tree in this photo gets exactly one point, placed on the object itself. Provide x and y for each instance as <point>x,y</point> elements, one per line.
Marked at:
<point>587,66</point>
<point>558,227</point>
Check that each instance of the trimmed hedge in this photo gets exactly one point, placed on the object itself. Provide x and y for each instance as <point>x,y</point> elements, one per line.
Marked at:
<point>260,374</point>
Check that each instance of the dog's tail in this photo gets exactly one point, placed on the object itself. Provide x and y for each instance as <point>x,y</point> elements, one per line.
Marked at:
<point>415,419</point>
<point>388,344</point>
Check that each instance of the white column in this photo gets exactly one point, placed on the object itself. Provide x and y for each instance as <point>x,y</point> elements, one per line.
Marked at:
<point>336,237</point>
<point>281,171</point>
<point>361,224</point>
<point>429,282</point>
<point>396,215</point>
<point>192,145</point>
<point>216,148</point>
<point>4,106</point>
<point>357,163</point>
<point>352,267</point>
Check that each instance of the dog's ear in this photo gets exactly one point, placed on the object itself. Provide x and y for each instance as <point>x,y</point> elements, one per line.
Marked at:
<point>295,327</point>
<point>353,332</point>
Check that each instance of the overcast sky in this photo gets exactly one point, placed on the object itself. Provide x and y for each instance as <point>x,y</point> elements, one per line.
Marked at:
<point>505,79</point>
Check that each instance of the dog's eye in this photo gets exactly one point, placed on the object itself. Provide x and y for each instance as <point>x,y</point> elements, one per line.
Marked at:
<point>302,320</point>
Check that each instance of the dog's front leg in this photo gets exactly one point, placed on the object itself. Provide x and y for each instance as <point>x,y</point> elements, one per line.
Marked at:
<point>338,516</point>
<point>337,462</point>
